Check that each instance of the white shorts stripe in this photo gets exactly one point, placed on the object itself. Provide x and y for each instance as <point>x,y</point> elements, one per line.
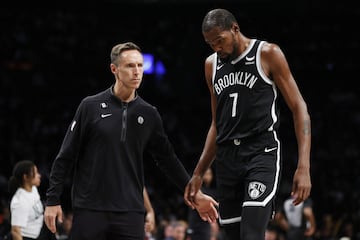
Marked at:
<point>229,220</point>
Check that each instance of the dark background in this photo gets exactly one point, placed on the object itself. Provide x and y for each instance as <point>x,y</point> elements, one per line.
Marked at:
<point>52,56</point>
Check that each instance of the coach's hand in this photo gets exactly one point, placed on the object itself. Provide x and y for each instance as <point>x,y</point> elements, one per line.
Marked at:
<point>51,215</point>
<point>191,189</point>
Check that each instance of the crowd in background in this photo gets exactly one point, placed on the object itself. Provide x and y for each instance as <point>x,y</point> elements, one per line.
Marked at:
<point>50,58</point>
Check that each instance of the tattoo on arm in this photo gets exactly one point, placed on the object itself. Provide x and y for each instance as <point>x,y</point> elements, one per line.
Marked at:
<point>307,128</point>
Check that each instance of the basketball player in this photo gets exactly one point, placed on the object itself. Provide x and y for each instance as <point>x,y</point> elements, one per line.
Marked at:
<point>104,145</point>
<point>244,76</point>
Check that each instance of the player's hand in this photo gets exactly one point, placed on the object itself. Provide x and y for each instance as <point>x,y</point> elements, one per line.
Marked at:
<point>206,207</point>
<point>191,189</point>
<point>301,185</point>
<point>149,222</point>
<point>51,215</point>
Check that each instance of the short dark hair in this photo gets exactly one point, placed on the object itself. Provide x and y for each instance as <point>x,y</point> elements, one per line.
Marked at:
<point>121,47</point>
<point>219,17</point>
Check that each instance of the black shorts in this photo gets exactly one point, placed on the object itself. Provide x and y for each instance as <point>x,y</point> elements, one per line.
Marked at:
<point>247,174</point>
<point>101,225</point>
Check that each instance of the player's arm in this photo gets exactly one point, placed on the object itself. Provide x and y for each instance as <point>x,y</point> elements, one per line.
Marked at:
<point>208,153</point>
<point>276,67</point>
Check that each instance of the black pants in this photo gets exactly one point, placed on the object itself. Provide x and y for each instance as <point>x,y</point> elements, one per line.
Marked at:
<point>99,225</point>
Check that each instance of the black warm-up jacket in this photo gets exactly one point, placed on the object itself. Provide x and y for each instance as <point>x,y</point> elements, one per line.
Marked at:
<point>105,144</point>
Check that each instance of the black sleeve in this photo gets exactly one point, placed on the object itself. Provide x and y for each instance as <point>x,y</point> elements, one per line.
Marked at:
<point>65,159</point>
<point>164,155</point>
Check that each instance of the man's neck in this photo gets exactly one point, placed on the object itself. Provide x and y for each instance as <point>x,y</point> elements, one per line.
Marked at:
<point>123,93</point>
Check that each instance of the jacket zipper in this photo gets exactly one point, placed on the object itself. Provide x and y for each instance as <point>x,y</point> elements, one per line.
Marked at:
<point>124,118</point>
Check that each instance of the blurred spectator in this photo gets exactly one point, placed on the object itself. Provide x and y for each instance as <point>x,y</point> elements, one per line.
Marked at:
<point>180,228</point>
<point>26,208</point>
<point>298,222</point>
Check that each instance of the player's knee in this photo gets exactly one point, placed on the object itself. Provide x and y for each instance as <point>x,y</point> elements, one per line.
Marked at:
<point>232,230</point>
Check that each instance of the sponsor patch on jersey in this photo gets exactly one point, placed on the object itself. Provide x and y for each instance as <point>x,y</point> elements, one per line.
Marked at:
<point>103,105</point>
<point>256,189</point>
<point>140,120</point>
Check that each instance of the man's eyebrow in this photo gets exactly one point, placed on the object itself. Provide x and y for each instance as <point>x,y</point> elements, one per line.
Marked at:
<point>214,40</point>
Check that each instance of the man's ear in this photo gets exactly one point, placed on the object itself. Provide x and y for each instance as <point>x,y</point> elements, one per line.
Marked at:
<point>113,68</point>
<point>235,28</point>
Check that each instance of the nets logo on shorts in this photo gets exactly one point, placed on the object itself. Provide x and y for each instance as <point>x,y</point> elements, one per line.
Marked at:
<point>256,189</point>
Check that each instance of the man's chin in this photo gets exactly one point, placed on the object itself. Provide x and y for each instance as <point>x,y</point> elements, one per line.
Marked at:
<point>225,59</point>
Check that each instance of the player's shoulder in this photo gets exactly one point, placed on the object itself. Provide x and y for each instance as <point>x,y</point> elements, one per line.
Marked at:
<point>211,58</point>
<point>270,48</point>
<point>209,64</point>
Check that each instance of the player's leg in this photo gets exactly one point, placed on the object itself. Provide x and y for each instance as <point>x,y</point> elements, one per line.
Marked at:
<point>261,187</point>
<point>230,197</point>
<point>230,216</point>
<point>230,190</point>
<point>255,221</point>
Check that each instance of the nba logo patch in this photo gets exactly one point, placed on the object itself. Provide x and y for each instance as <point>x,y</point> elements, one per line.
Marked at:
<point>256,189</point>
<point>103,105</point>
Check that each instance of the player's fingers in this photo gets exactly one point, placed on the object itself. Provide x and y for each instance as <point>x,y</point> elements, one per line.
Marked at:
<point>148,227</point>
<point>213,218</point>
<point>186,193</point>
<point>192,196</point>
<point>296,198</point>
<point>299,196</point>
<point>214,211</point>
<point>203,216</point>
<point>190,203</point>
<point>215,203</point>
<point>207,217</point>
<point>192,191</point>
